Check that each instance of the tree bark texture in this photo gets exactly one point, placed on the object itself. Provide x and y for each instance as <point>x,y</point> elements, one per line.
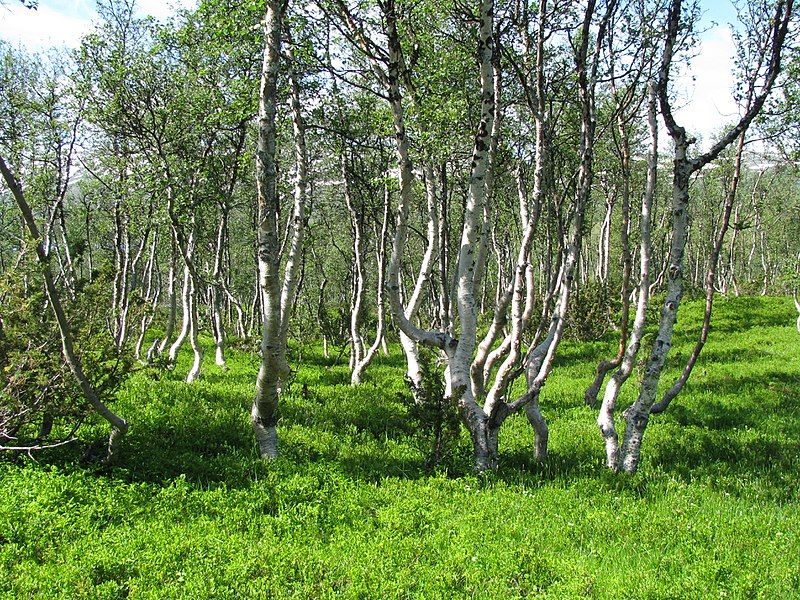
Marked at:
<point>273,369</point>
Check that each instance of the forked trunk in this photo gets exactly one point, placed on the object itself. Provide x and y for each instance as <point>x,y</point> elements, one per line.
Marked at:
<point>605,419</point>
<point>638,414</point>
<point>711,274</point>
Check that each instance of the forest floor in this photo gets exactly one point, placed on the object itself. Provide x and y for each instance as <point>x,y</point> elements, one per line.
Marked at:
<point>349,510</point>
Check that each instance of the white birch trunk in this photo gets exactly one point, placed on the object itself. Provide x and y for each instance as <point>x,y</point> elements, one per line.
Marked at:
<point>797,306</point>
<point>273,367</point>
<point>539,361</point>
<point>218,326</point>
<point>605,419</point>
<point>408,344</point>
<point>152,293</point>
<point>186,319</point>
<point>379,340</point>
<point>194,323</point>
<point>293,257</point>
<point>473,415</point>
<point>277,299</point>
<point>637,416</point>
<point>172,302</point>
<point>676,388</point>
<point>357,302</point>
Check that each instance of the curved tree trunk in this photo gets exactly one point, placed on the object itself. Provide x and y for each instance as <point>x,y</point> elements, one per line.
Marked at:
<point>711,275</point>
<point>607,365</point>
<point>119,426</point>
<point>638,414</point>
<point>605,418</point>
<point>172,302</point>
<point>360,366</point>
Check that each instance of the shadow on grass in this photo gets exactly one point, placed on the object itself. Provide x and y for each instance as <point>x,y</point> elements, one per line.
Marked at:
<point>719,429</point>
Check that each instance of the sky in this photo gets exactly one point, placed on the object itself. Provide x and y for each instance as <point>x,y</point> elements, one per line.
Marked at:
<point>705,99</point>
<point>62,23</point>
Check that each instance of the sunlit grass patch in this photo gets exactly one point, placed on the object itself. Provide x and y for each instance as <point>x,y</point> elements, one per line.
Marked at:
<point>349,510</point>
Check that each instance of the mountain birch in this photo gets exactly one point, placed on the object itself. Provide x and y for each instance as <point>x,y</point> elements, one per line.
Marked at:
<point>386,66</point>
<point>539,359</point>
<point>191,280</point>
<point>409,345</point>
<point>483,424</point>
<point>215,294</point>
<point>628,100</point>
<point>277,299</point>
<point>189,326</point>
<point>217,288</point>
<point>172,300</point>
<point>458,351</point>
<point>638,414</point>
<point>505,290</point>
<point>797,306</point>
<point>152,293</point>
<point>119,426</point>
<point>359,284</point>
<point>711,273</point>
<point>522,290</point>
<point>274,367</point>
<point>605,419</point>
<point>298,215</point>
<point>186,317</point>
<point>365,358</point>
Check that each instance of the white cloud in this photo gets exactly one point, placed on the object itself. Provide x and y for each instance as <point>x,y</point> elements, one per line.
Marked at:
<point>62,23</point>
<point>44,27</point>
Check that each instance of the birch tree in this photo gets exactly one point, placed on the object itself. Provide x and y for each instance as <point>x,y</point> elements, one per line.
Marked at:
<point>277,296</point>
<point>775,19</point>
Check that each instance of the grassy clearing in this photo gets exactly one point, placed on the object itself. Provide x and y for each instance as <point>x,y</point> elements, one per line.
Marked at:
<point>188,511</point>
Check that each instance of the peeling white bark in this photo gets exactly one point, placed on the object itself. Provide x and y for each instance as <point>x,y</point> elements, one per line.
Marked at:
<point>172,355</point>
<point>361,365</point>
<point>277,299</point>
<point>605,419</point>
<point>637,416</point>
<point>797,306</point>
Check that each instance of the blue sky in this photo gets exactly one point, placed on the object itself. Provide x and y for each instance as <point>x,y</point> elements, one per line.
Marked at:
<point>704,91</point>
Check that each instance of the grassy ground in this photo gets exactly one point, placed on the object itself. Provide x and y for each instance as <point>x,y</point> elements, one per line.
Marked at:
<point>188,511</point>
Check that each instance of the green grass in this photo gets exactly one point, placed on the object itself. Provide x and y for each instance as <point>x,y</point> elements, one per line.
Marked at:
<point>188,510</point>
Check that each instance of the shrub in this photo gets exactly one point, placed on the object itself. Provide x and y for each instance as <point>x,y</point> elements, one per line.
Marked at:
<point>434,415</point>
<point>592,311</point>
<point>40,402</point>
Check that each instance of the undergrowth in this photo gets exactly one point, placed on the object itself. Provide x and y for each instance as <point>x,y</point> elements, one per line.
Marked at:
<point>351,510</point>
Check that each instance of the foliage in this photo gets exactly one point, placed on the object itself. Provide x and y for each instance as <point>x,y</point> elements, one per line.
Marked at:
<point>592,312</point>
<point>190,511</point>
<point>432,413</point>
<point>40,401</point>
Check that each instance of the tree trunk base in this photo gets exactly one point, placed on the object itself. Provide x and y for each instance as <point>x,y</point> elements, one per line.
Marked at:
<point>267,437</point>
